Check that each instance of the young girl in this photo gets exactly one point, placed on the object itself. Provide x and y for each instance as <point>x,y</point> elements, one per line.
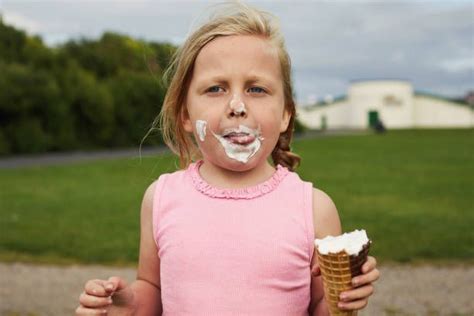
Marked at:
<point>230,234</point>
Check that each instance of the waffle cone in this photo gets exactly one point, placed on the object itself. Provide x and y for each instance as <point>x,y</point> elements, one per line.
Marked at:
<point>337,270</point>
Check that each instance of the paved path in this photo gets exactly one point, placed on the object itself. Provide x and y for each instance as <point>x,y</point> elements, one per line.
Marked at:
<point>402,290</point>
<point>77,156</point>
<point>19,161</point>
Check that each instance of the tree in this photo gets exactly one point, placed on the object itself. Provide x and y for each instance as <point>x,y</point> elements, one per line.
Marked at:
<point>82,94</point>
<point>137,98</point>
<point>12,42</point>
<point>27,100</point>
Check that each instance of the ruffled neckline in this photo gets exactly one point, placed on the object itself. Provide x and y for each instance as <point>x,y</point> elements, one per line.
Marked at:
<point>240,193</point>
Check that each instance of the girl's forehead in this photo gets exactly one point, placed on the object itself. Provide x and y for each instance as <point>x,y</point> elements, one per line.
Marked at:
<point>238,53</point>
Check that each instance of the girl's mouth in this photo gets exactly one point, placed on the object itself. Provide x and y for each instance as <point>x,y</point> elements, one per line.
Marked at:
<point>239,138</point>
<point>240,143</point>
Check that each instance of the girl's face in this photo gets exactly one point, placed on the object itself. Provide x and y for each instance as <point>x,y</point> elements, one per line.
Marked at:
<point>235,102</point>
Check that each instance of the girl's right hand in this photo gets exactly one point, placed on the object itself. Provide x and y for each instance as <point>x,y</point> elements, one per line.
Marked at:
<point>106,297</point>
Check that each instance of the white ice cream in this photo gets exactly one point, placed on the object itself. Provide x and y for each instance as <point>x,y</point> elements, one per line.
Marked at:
<point>201,129</point>
<point>240,143</point>
<point>352,243</point>
<point>237,105</point>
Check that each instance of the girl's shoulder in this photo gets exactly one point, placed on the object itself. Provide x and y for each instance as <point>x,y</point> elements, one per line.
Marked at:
<point>325,215</point>
<point>174,176</point>
<point>166,178</point>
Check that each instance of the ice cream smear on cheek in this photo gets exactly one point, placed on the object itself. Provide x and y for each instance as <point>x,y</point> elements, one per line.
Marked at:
<point>201,129</point>
<point>240,143</point>
<point>352,243</point>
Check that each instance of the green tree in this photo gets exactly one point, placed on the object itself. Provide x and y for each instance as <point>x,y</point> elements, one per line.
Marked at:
<point>113,53</point>
<point>82,94</point>
<point>27,101</point>
<point>92,108</point>
<point>12,42</point>
<point>137,98</point>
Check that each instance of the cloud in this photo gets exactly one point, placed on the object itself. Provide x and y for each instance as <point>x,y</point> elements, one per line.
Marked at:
<point>426,44</point>
<point>22,22</point>
<point>458,64</point>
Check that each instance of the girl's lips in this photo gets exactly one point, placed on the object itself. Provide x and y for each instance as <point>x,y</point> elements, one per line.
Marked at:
<point>240,143</point>
<point>240,138</point>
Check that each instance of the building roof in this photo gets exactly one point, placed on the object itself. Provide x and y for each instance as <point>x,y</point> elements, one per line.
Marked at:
<point>379,79</point>
<point>436,96</point>
<point>336,99</point>
<point>343,97</point>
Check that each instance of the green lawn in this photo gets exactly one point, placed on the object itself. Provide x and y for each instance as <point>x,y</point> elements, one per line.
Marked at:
<point>413,191</point>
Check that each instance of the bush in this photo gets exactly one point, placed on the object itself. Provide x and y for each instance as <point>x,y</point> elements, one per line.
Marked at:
<point>137,98</point>
<point>27,136</point>
<point>4,145</point>
<point>299,128</point>
<point>26,97</point>
<point>81,95</point>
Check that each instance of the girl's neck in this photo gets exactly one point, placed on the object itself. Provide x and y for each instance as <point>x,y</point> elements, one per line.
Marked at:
<point>223,178</point>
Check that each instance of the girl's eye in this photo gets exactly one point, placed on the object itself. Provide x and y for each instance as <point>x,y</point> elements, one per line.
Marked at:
<point>256,90</point>
<point>214,89</point>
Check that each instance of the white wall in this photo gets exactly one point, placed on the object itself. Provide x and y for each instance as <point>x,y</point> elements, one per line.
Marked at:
<point>392,99</point>
<point>336,115</point>
<point>396,105</point>
<point>432,112</point>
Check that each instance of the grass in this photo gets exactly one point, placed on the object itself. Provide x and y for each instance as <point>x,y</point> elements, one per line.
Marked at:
<point>411,190</point>
<point>87,212</point>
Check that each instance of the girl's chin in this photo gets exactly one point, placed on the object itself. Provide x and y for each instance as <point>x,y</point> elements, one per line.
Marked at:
<point>225,162</point>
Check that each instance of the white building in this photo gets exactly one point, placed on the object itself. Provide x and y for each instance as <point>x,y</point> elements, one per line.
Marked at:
<point>393,102</point>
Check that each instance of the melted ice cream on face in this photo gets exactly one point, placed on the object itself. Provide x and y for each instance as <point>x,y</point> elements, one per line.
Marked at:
<point>237,105</point>
<point>201,129</point>
<point>352,243</point>
<point>240,143</point>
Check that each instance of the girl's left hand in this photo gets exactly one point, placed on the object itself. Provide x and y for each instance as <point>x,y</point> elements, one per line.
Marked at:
<point>358,297</point>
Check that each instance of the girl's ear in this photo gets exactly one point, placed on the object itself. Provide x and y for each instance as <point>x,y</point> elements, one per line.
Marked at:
<point>186,120</point>
<point>285,121</point>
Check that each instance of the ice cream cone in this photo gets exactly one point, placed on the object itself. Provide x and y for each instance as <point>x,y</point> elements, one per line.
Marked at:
<point>337,270</point>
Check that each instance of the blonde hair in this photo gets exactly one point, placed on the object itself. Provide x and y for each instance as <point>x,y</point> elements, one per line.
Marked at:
<point>234,19</point>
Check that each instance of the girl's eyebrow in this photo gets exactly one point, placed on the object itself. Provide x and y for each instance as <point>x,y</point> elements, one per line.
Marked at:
<point>207,80</point>
<point>223,79</point>
<point>257,79</point>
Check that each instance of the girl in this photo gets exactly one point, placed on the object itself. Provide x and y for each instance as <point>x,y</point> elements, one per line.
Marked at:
<point>230,234</point>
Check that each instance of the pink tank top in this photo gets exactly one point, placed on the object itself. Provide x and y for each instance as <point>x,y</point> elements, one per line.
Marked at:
<point>234,251</point>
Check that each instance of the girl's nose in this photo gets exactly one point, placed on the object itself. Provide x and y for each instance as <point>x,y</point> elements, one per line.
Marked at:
<point>234,113</point>
<point>237,107</point>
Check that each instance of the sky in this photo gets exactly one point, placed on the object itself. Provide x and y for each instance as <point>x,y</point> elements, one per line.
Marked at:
<point>331,43</point>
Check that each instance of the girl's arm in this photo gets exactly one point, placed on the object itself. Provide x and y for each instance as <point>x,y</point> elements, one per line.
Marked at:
<point>147,287</point>
<point>325,222</point>
<point>142,297</point>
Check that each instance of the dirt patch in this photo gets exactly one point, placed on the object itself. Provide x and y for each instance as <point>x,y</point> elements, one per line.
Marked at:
<point>402,290</point>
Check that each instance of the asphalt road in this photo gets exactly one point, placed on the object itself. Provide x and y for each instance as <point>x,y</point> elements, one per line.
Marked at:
<point>19,161</point>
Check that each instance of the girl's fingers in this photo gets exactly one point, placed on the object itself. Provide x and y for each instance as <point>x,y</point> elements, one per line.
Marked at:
<point>359,293</point>
<point>369,264</point>
<point>87,300</point>
<point>114,284</point>
<point>366,278</point>
<point>96,287</point>
<point>84,311</point>
<point>354,305</point>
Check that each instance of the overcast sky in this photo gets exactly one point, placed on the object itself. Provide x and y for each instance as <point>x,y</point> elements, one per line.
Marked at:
<point>430,43</point>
